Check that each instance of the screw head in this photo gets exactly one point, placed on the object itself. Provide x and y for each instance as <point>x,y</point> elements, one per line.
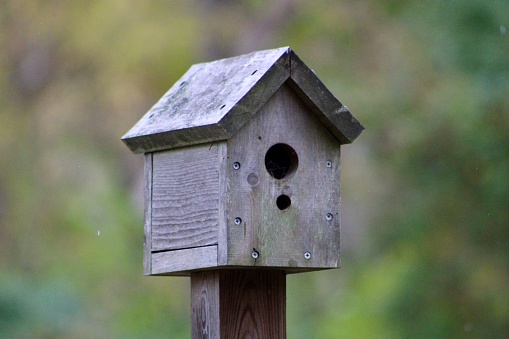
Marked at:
<point>307,255</point>
<point>237,221</point>
<point>328,163</point>
<point>255,254</point>
<point>236,165</point>
<point>328,216</point>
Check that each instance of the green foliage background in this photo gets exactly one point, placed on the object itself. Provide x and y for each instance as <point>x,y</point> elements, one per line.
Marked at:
<point>425,188</point>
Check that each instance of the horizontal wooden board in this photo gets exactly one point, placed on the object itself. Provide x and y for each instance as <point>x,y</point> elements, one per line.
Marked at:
<point>181,261</point>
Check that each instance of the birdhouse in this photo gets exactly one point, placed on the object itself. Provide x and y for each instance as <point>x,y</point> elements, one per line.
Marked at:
<point>242,167</point>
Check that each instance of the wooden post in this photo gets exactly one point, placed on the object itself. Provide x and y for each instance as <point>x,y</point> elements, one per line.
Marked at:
<point>238,303</point>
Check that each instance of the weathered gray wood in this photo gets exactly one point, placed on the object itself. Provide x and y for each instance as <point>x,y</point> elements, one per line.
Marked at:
<point>282,237</point>
<point>147,240</point>
<point>197,194</point>
<point>192,110</point>
<point>242,106</point>
<point>260,92</point>
<point>222,255</point>
<point>332,113</point>
<point>185,197</point>
<point>181,261</point>
<point>212,101</point>
<point>238,304</point>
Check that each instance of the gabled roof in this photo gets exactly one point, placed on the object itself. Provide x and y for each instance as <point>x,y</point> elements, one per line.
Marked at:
<point>213,100</point>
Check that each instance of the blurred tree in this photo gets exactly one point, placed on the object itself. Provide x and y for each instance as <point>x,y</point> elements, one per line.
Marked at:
<point>438,261</point>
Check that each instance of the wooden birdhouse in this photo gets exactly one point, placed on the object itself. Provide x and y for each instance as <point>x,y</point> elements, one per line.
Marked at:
<point>242,167</point>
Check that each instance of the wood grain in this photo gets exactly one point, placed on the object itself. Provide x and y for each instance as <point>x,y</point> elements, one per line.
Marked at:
<point>192,110</point>
<point>222,241</point>
<point>329,110</point>
<point>185,197</point>
<point>282,237</point>
<point>205,316</point>
<point>147,237</point>
<point>180,262</point>
<point>238,304</point>
<point>213,100</point>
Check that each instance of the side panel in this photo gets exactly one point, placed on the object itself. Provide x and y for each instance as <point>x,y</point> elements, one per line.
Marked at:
<point>147,238</point>
<point>185,197</point>
<point>222,246</point>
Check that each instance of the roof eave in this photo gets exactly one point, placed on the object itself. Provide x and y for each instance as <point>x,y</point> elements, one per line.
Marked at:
<point>287,68</point>
<point>329,110</point>
<point>239,112</point>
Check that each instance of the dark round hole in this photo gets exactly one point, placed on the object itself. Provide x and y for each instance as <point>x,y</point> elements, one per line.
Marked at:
<point>281,160</point>
<point>283,202</point>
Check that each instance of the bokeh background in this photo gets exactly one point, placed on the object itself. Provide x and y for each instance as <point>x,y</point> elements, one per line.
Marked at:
<point>425,189</point>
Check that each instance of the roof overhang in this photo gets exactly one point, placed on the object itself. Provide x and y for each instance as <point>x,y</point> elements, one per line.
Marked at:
<point>213,100</point>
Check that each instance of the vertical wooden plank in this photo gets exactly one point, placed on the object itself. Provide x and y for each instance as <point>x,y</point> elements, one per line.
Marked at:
<point>222,241</point>
<point>238,304</point>
<point>205,304</point>
<point>253,304</point>
<point>147,242</point>
<point>304,234</point>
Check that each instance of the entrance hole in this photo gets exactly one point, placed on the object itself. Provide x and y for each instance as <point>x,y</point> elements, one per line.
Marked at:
<point>281,160</point>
